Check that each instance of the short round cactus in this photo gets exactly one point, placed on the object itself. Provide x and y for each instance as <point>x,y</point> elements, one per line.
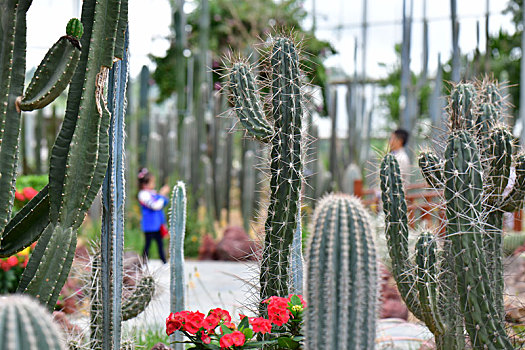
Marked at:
<point>75,28</point>
<point>26,325</point>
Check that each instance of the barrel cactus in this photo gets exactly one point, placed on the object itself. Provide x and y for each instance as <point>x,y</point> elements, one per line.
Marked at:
<point>285,135</point>
<point>27,325</point>
<point>342,277</point>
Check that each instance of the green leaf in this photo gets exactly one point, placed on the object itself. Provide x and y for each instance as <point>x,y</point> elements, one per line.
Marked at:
<point>295,300</point>
<point>225,330</point>
<point>287,343</point>
<point>248,333</point>
<point>245,323</point>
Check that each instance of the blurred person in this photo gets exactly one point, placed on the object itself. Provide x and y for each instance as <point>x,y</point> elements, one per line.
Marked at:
<point>152,204</point>
<point>396,144</point>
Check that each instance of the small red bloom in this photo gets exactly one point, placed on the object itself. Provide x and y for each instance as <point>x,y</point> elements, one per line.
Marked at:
<point>205,338</point>
<point>261,325</point>
<point>210,322</point>
<point>230,325</point>
<point>237,338</point>
<point>4,265</point>
<point>226,341</point>
<point>12,261</point>
<point>19,196</point>
<point>221,314</point>
<point>193,322</point>
<point>174,322</point>
<point>30,192</point>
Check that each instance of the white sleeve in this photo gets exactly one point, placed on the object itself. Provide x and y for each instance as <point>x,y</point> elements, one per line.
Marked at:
<point>146,199</point>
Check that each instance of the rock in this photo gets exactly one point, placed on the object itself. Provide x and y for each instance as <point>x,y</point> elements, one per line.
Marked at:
<point>208,249</point>
<point>392,305</point>
<point>160,346</point>
<point>394,309</point>
<point>236,245</point>
<point>69,328</point>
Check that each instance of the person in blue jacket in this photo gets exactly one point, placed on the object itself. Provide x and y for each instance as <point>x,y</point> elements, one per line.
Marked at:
<point>151,204</point>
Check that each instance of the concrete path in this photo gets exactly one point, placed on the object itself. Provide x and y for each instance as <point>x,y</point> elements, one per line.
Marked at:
<point>209,284</point>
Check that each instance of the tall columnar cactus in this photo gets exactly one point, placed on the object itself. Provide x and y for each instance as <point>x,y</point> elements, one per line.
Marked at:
<point>468,273</point>
<point>342,277</point>
<point>296,258</point>
<point>285,138</point>
<point>50,79</point>
<point>80,155</point>
<point>113,202</point>
<point>177,230</point>
<point>26,325</point>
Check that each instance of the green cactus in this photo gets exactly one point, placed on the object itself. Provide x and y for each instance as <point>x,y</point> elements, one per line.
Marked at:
<point>463,285</point>
<point>75,28</point>
<point>54,72</point>
<point>80,155</point>
<point>285,137</point>
<point>177,228</point>
<point>26,325</point>
<point>431,168</point>
<point>139,300</point>
<point>342,275</point>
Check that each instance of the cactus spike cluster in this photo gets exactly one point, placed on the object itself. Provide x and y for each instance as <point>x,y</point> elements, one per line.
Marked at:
<point>80,155</point>
<point>139,299</point>
<point>285,139</point>
<point>342,277</point>
<point>468,271</point>
<point>177,229</point>
<point>27,325</point>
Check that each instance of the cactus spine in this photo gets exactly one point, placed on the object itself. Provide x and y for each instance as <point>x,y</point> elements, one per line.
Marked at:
<point>296,258</point>
<point>285,137</point>
<point>26,325</point>
<point>177,231</point>
<point>342,277</point>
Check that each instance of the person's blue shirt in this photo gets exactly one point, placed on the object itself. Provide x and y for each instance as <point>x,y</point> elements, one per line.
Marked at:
<point>151,204</point>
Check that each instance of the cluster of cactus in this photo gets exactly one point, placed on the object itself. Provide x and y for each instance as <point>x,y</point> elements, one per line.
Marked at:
<point>80,154</point>
<point>460,286</point>
<point>285,135</point>
<point>177,229</point>
<point>342,277</point>
<point>26,325</point>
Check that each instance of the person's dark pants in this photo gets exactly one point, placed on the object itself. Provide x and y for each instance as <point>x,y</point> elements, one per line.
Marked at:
<point>157,237</point>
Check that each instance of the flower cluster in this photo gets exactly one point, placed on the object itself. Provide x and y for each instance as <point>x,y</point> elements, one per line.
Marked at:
<point>11,269</point>
<point>216,329</point>
<point>26,194</point>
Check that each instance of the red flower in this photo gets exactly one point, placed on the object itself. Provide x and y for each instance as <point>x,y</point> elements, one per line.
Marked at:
<point>230,325</point>
<point>210,322</point>
<point>278,312</point>
<point>4,265</point>
<point>174,322</point>
<point>261,325</point>
<point>12,261</point>
<point>205,338</point>
<point>226,340</point>
<point>237,338</point>
<point>193,322</point>
<point>19,196</point>
<point>221,314</point>
<point>30,192</point>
